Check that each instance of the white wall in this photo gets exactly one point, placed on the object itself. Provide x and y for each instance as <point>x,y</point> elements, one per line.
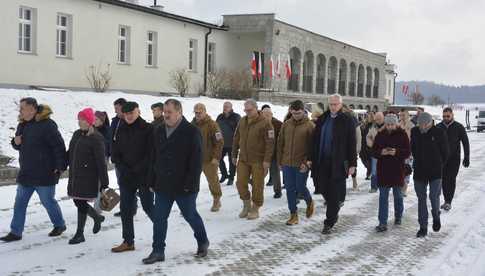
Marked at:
<point>95,41</point>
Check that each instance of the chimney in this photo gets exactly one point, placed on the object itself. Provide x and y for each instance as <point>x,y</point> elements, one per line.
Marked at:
<point>156,6</point>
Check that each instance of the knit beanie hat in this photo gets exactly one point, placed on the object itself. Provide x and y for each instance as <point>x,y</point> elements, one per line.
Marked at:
<point>87,115</point>
<point>391,119</point>
<point>424,118</point>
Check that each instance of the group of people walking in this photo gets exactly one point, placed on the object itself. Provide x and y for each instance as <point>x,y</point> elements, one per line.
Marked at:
<point>161,163</point>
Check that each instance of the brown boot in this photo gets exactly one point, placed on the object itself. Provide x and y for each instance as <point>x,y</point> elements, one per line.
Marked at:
<point>216,204</point>
<point>123,248</point>
<point>293,219</point>
<point>253,213</point>
<point>310,209</point>
<point>245,211</point>
<point>355,185</point>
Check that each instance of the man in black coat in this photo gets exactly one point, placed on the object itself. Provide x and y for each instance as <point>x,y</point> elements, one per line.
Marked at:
<point>456,134</point>
<point>116,123</point>
<point>334,156</point>
<point>131,154</point>
<point>429,147</point>
<point>175,177</point>
<point>42,158</point>
<point>227,121</point>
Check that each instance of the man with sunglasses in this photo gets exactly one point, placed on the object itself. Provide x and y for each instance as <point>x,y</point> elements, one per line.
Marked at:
<point>456,134</point>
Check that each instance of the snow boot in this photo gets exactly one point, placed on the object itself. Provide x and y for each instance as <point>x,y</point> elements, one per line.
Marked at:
<point>245,210</point>
<point>216,205</point>
<point>253,213</point>
<point>422,233</point>
<point>381,228</point>
<point>81,222</point>
<point>57,231</point>
<point>10,237</point>
<point>293,219</point>
<point>436,225</point>
<point>98,219</point>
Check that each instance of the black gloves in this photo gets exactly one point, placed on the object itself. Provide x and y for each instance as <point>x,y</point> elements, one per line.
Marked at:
<point>466,162</point>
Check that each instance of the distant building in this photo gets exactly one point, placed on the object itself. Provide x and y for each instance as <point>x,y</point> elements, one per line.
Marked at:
<point>55,42</point>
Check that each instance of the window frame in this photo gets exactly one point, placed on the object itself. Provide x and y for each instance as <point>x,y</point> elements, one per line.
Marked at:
<point>124,40</point>
<point>67,29</point>
<point>22,23</point>
<point>153,45</point>
<point>192,62</point>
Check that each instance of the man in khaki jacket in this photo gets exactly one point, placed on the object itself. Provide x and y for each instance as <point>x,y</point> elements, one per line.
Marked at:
<point>252,151</point>
<point>212,143</point>
<point>294,149</point>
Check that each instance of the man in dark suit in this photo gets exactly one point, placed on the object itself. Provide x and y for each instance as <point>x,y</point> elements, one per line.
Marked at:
<point>174,176</point>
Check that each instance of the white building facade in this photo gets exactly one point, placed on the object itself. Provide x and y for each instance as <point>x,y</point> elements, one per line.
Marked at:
<point>55,43</point>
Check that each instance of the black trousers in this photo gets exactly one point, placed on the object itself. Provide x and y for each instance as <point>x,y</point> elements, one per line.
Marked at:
<point>332,190</point>
<point>222,165</point>
<point>82,205</point>
<point>450,171</point>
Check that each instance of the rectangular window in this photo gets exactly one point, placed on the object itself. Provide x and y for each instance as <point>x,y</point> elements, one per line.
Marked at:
<point>151,49</point>
<point>193,55</point>
<point>124,44</point>
<point>63,35</point>
<point>27,28</point>
<point>211,58</point>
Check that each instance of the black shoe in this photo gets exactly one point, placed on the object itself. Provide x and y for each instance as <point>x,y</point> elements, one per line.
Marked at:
<point>117,214</point>
<point>57,231</point>
<point>230,182</point>
<point>277,195</point>
<point>10,237</point>
<point>381,228</point>
<point>154,258</point>
<point>223,179</point>
<point>327,229</point>
<point>422,233</point>
<point>202,250</point>
<point>436,225</point>
<point>397,221</point>
<point>78,238</point>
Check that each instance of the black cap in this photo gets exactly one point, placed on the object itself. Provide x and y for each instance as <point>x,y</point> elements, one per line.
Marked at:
<point>129,107</point>
<point>159,105</point>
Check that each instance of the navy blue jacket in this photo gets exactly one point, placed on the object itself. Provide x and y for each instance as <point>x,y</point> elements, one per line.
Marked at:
<point>176,161</point>
<point>41,152</point>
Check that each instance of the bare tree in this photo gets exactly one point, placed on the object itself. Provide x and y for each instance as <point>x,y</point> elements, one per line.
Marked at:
<point>99,79</point>
<point>217,80</point>
<point>416,98</point>
<point>180,81</point>
<point>234,85</point>
<point>435,100</point>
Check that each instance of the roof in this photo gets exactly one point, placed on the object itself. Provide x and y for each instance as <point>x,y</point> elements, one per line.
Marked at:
<point>156,12</point>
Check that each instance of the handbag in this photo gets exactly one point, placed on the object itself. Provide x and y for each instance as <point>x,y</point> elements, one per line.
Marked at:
<point>109,200</point>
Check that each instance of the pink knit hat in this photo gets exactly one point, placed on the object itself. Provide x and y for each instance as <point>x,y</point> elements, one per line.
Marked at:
<point>87,115</point>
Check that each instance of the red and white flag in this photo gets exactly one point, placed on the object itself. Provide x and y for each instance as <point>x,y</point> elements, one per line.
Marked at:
<point>405,89</point>
<point>288,68</point>
<point>253,66</point>
<point>260,67</point>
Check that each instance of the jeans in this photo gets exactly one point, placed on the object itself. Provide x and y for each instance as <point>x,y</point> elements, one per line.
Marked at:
<point>222,164</point>
<point>47,198</point>
<point>135,202</point>
<point>421,188</point>
<point>295,184</point>
<point>127,197</point>
<point>187,205</point>
<point>274,176</point>
<point>373,179</point>
<point>384,203</point>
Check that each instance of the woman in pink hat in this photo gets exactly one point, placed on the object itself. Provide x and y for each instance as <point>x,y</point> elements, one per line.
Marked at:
<point>88,174</point>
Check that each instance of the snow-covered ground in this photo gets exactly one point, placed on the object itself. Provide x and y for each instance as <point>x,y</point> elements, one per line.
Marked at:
<point>262,247</point>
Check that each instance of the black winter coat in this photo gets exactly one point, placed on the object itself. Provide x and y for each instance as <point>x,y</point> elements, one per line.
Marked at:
<point>456,134</point>
<point>131,152</point>
<point>228,126</point>
<point>87,165</point>
<point>430,152</point>
<point>177,160</point>
<point>344,154</point>
<point>41,152</point>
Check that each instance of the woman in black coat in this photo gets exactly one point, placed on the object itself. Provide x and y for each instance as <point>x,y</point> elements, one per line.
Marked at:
<point>102,126</point>
<point>88,174</point>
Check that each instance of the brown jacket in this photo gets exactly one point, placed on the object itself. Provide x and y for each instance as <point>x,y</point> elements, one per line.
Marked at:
<point>295,142</point>
<point>254,140</point>
<point>212,139</point>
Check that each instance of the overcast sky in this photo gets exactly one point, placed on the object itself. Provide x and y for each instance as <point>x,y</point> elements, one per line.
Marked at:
<point>436,40</point>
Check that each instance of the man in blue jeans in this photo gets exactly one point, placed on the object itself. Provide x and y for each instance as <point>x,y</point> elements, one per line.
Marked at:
<point>42,158</point>
<point>174,176</point>
<point>429,147</point>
